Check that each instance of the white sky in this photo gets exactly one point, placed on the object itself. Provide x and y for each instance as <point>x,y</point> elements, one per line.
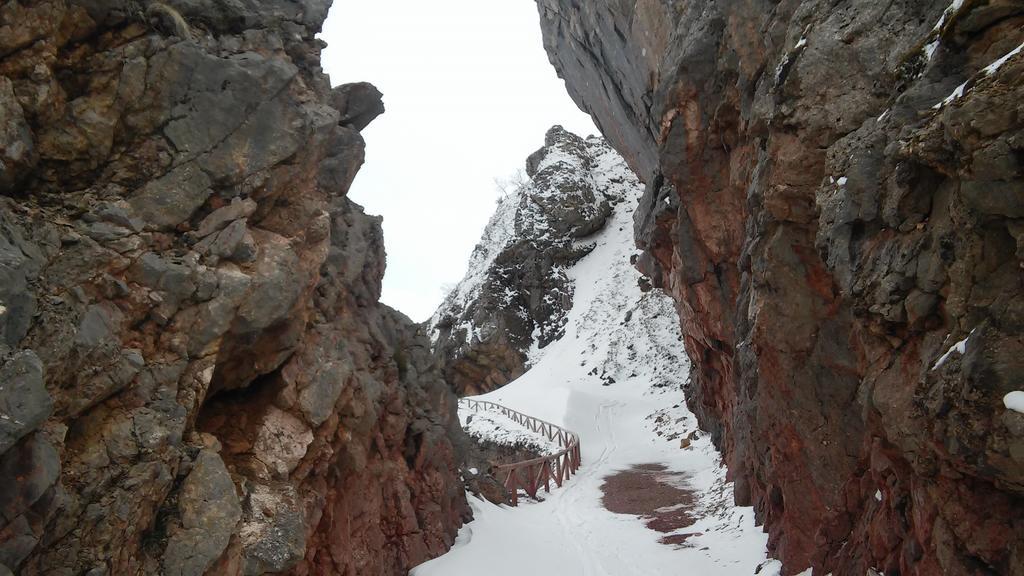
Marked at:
<point>469,95</point>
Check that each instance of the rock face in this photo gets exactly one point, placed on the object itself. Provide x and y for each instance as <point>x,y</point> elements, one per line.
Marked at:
<point>834,199</point>
<point>195,374</point>
<point>515,294</point>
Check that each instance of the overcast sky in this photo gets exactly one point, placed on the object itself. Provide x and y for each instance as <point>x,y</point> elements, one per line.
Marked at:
<point>469,95</point>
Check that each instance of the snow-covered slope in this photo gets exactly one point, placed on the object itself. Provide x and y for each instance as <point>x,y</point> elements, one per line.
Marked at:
<point>516,293</point>
<point>615,378</point>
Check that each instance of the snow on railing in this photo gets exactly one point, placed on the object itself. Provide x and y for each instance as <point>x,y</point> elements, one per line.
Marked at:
<point>531,474</point>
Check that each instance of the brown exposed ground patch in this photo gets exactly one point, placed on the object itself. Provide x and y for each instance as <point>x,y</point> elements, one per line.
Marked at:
<point>653,493</point>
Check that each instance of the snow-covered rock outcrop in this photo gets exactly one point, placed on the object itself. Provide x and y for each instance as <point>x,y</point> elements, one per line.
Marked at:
<point>516,292</point>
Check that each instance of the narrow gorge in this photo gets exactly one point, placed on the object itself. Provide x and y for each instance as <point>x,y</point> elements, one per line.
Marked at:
<point>780,297</point>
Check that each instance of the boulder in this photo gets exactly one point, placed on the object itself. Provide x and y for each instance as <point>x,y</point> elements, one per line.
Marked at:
<point>24,402</point>
<point>359,104</point>
<point>210,511</point>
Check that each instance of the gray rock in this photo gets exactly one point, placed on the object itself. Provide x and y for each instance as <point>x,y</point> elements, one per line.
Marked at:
<point>24,401</point>
<point>215,316</point>
<point>20,261</point>
<point>100,324</point>
<point>524,292</point>
<point>105,231</point>
<point>225,215</point>
<point>234,242</point>
<point>166,275</point>
<point>275,290</point>
<point>120,367</point>
<point>115,214</point>
<point>17,148</point>
<point>317,399</point>
<point>271,135</point>
<point>173,198</point>
<point>26,472</point>
<point>359,104</point>
<point>210,511</point>
<point>20,540</point>
<point>221,96</point>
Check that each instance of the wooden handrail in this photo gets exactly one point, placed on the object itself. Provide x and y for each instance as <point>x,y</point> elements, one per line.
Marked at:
<point>531,474</point>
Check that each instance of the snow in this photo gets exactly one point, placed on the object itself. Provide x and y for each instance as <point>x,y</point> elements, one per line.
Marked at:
<point>841,181</point>
<point>801,43</point>
<point>499,231</point>
<point>524,213</point>
<point>960,347</point>
<point>957,93</point>
<point>947,13</point>
<point>878,495</point>
<point>500,429</point>
<point>991,68</point>
<point>950,10</point>
<point>642,361</point>
<point>1014,401</point>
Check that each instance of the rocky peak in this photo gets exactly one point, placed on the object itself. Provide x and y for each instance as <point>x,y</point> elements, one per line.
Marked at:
<point>516,293</point>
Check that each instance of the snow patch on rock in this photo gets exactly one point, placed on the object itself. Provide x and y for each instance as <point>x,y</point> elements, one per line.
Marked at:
<point>1014,401</point>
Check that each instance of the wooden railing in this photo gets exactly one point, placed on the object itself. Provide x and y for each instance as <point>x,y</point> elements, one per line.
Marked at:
<point>531,474</point>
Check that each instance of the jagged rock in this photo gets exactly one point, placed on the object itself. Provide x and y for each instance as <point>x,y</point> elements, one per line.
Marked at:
<point>226,215</point>
<point>832,199</point>
<point>209,511</point>
<point>359,104</point>
<point>24,401</point>
<point>516,291</point>
<point>178,251</point>
<point>318,397</point>
<point>27,471</point>
<point>17,148</point>
<point>234,242</point>
<point>20,261</point>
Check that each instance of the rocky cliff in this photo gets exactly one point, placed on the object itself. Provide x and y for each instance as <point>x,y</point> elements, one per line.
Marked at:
<point>516,292</point>
<point>195,374</point>
<point>835,201</point>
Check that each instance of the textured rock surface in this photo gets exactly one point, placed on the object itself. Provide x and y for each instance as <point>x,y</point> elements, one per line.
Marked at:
<point>834,200</point>
<point>515,294</point>
<point>197,376</point>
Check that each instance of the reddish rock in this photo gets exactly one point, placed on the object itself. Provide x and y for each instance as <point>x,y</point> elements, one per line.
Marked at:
<point>830,222</point>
